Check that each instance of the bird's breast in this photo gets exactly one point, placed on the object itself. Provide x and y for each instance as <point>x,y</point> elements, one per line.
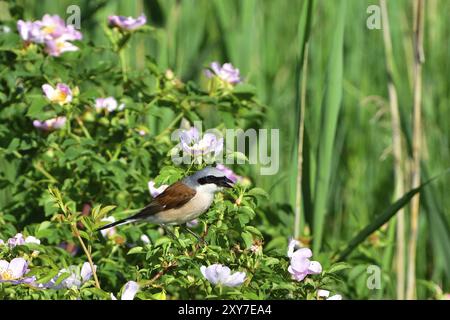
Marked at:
<point>191,210</point>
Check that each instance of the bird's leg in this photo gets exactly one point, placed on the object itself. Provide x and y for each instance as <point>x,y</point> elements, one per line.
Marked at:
<point>169,232</point>
<point>195,235</point>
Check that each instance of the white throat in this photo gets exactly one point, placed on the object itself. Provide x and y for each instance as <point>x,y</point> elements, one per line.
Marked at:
<point>210,188</point>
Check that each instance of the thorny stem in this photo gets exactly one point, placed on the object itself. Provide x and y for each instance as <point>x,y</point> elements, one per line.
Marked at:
<point>42,170</point>
<point>68,126</point>
<point>67,213</point>
<point>123,63</point>
<point>85,131</point>
<point>87,252</point>
<point>159,274</point>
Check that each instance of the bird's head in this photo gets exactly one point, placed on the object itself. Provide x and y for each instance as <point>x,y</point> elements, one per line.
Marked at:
<point>210,179</point>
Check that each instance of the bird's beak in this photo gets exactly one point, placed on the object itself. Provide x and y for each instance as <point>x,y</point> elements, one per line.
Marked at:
<point>225,182</point>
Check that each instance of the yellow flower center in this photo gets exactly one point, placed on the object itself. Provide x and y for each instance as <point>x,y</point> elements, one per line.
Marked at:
<point>48,29</point>
<point>60,44</point>
<point>59,96</point>
<point>6,275</point>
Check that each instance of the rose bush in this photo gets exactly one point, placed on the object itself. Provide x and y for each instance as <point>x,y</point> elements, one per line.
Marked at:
<point>83,135</point>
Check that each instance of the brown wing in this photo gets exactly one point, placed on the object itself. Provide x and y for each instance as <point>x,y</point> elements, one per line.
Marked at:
<point>175,196</point>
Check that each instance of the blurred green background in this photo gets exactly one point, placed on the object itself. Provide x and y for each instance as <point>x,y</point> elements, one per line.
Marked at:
<point>264,39</point>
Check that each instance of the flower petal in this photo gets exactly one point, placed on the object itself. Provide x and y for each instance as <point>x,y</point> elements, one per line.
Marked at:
<point>108,233</point>
<point>298,276</point>
<point>86,271</point>
<point>192,224</point>
<point>3,266</point>
<point>215,66</point>
<point>314,267</point>
<point>211,273</point>
<point>335,297</point>
<point>292,244</point>
<point>300,261</point>
<point>130,290</point>
<point>69,282</point>
<point>223,273</point>
<point>31,239</point>
<point>189,136</point>
<point>145,239</point>
<point>154,192</point>
<point>48,90</point>
<point>18,267</point>
<point>202,269</point>
<point>236,279</point>
<point>323,293</point>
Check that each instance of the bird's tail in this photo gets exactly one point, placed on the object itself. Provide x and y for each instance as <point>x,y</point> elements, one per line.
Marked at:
<point>116,223</point>
<point>142,214</point>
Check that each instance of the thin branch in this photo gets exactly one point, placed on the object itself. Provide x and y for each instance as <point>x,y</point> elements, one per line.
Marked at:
<point>88,254</point>
<point>165,269</point>
<point>85,131</point>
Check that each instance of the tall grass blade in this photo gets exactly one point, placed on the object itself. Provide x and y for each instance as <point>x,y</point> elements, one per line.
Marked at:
<point>397,150</point>
<point>382,219</point>
<point>302,66</point>
<point>419,59</point>
<point>329,114</point>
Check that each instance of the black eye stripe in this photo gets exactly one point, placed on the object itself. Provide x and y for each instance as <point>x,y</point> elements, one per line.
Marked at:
<point>210,179</point>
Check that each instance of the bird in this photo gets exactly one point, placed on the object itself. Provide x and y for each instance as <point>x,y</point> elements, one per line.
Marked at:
<point>182,201</point>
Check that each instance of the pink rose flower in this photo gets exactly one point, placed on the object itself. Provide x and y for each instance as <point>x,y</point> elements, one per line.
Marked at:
<point>127,23</point>
<point>61,94</point>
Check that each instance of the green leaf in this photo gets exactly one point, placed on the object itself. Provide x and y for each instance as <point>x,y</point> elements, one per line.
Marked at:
<point>135,250</point>
<point>253,230</point>
<point>50,275</point>
<point>258,192</point>
<point>248,239</point>
<point>43,226</point>
<point>338,267</point>
<point>104,211</point>
<point>36,109</point>
<point>160,295</point>
<point>62,277</point>
<point>14,144</point>
<point>244,91</point>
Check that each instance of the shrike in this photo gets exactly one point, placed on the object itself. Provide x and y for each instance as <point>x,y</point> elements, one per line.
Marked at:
<point>182,201</point>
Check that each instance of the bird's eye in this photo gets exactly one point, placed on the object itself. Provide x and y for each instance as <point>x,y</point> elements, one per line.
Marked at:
<point>207,179</point>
